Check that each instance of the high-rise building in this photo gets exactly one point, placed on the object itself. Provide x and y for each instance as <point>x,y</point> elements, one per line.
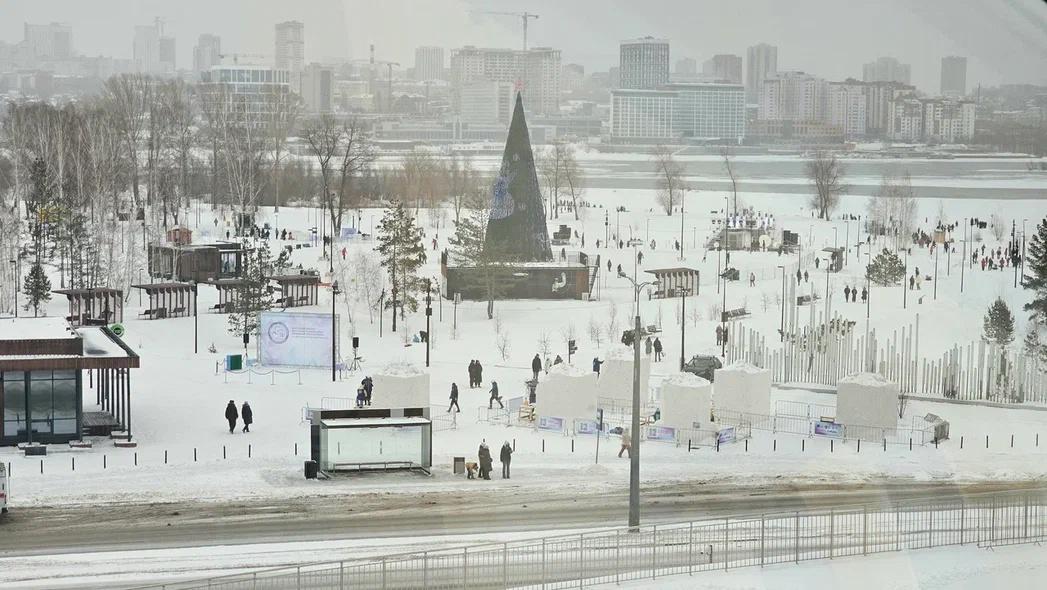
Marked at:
<point>317,88</point>
<point>700,110</point>
<point>536,72</point>
<point>429,63</point>
<point>686,66</point>
<point>878,99</point>
<point>724,68</point>
<point>793,96</point>
<point>166,53</point>
<point>52,41</point>
<point>847,108</point>
<point>207,53</point>
<point>485,101</point>
<point>644,63</point>
<point>954,76</point>
<point>762,63</point>
<point>947,120</point>
<point>290,46</point>
<point>254,93</point>
<point>572,78</point>
<point>147,49</point>
<point>886,69</point>
<point>905,118</point>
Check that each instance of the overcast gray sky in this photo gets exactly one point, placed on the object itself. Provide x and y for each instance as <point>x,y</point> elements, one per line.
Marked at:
<point>1004,40</point>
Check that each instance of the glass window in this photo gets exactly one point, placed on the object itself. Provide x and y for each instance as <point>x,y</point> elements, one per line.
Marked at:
<point>14,403</point>
<point>64,395</point>
<point>41,404</point>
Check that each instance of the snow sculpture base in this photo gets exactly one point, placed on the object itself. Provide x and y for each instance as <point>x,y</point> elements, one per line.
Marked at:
<point>567,391</point>
<point>616,375</point>
<point>867,399</point>
<point>686,402</point>
<point>399,385</point>
<point>742,387</point>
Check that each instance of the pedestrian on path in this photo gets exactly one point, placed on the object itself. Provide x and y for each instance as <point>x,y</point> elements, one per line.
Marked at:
<point>719,334</point>
<point>627,444</point>
<point>454,399</point>
<point>657,350</point>
<point>248,415</point>
<point>484,456</point>
<point>506,457</point>
<point>495,397</point>
<point>231,415</point>
<point>536,366</point>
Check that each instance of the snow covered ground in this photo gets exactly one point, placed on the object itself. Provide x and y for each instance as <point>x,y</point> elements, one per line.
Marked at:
<point>178,398</point>
<point>1019,567</point>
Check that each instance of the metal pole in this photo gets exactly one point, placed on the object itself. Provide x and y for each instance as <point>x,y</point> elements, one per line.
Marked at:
<point>683,323</point>
<point>428,315</point>
<point>196,319</point>
<point>334,331</point>
<point>634,452</point>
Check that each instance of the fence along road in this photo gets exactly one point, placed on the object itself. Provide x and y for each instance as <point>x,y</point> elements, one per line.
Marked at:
<point>576,561</point>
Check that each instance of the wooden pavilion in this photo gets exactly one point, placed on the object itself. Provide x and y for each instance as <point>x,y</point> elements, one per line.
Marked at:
<point>228,292</point>
<point>672,280</point>
<point>297,290</point>
<point>94,306</point>
<point>168,299</point>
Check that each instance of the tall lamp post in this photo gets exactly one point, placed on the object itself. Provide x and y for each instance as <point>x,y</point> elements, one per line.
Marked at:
<point>781,330</point>
<point>334,330</point>
<point>684,291</point>
<point>634,452</point>
<point>18,279</point>
<point>196,318</point>
<point>428,314</point>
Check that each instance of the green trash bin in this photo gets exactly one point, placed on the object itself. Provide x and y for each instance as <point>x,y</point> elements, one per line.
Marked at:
<point>234,362</point>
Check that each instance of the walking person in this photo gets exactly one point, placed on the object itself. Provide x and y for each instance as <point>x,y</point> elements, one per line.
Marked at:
<point>799,276</point>
<point>479,374</point>
<point>231,415</point>
<point>248,415</point>
<point>484,456</point>
<point>719,334</point>
<point>912,282</point>
<point>536,366</point>
<point>805,276</point>
<point>627,444</point>
<point>854,294</point>
<point>506,457</point>
<point>472,373</point>
<point>846,293</point>
<point>454,399</point>
<point>368,384</point>
<point>865,294</point>
<point>752,279</point>
<point>657,349</point>
<point>495,397</point>
<point>647,346</point>
<point>596,365</point>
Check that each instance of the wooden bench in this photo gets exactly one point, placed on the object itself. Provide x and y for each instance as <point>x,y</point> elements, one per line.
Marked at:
<point>219,307</point>
<point>303,300</point>
<point>732,314</point>
<point>150,313</point>
<point>180,310</point>
<point>805,299</point>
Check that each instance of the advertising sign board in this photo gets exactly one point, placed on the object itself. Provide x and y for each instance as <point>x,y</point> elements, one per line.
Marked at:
<point>295,339</point>
<point>550,423</point>
<point>661,433</point>
<point>830,429</point>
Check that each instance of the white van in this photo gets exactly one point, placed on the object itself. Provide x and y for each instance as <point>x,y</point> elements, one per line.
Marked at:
<point>5,485</point>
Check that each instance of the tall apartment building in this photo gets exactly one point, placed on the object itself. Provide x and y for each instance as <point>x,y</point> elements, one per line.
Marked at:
<point>954,76</point>
<point>905,119</point>
<point>676,111</point>
<point>51,41</point>
<point>846,104</point>
<point>289,51</point>
<point>686,67</point>
<point>793,96</point>
<point>146,49</point>
<point>947,120</point>
<point>317,88</point>
<point>486,102</point>
<point>429,63</point>
<point>535,72</point>
<point>878,110</point>
<point>255,91</point>
<point>167,54</point>
<point>643,63</point>
<point>207,52</point>
<point>886,69</point>
<point>762,63</point>
<point>724,68</point>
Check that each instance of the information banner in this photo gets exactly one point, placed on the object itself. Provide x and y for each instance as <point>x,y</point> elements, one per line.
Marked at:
<point>726,435</point>
<point>829,429</point>
<point>661,433</point>
<point>551,423</point>
<point>587,427</point>
<point>295,339</point>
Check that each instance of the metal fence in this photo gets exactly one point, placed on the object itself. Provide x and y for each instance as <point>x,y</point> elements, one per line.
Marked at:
<point>804,426</point>
<point>613,556</point>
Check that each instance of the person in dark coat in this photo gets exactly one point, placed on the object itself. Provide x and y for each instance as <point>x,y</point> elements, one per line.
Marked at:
<point>865,294</point>
<point>596,365</point>
<point>805,276</point>
<point>846,293</point>
<point>486,462</point>
<point>472,373</point>
<point>495,397</point>
<point>248,415</point>
<point>479,374</point>
<point>231,415</point>
<point>536,366</point>
<point>454,399</point>
<point>719,334</point>
<point>648,346</point>
<point>368,384</point>
<point>506,457</point>
<point>657,350</point>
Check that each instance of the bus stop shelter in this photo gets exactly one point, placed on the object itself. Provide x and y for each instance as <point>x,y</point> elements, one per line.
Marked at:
<point>168,300</point>
<point>94,306</point>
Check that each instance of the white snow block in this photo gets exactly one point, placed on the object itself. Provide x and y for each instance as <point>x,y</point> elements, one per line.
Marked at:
<point>399,385</point>
<point>616,375</point>
<point>687,401</point>
<point>742,387</point>
<point>567,391</point>
<point>867,399</point>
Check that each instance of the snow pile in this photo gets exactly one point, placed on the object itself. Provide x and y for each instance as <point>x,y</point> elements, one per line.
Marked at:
<point>625,353</point>
<point>867,399</point>
<point>743,387</point>
<point>570,370</point>
<point>401,368</point>
<point>401,385</point>
<point>686,401</point>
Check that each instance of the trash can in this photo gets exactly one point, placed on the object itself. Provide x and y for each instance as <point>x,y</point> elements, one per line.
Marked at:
<point>459,465</point>
<point>311,469</point>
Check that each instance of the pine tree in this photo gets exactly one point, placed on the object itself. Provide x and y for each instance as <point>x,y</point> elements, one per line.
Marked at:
<point>999,323</point>
<point>1036,277</point>
<point>255,295</point>
<point>402,254</point>
<point>489,263</point>
<point>37,287</point>
<point>886,269</point>
<point>1034,346</point>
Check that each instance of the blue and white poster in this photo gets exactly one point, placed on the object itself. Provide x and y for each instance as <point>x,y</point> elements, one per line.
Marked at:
<point>295,339</point>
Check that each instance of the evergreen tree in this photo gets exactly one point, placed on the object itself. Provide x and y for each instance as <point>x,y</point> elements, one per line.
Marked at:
<point>489,261</point>
<point>1036,277</point>
<point>402,254</point>
<point>999,323</point>
<point>886,269</point>
<point>1034,346</point>
<point>37,287</point>
<point>255,295</point>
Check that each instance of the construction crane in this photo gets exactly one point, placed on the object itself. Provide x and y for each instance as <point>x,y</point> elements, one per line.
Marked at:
<point>523,16</point>
<point>389,64</point>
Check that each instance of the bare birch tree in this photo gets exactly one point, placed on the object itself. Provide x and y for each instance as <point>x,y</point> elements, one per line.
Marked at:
<point>129,97</point>
<point>669,175</point>
<point>825,172</point>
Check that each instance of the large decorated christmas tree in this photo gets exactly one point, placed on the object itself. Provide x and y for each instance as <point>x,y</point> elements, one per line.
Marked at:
<point>517,221</point>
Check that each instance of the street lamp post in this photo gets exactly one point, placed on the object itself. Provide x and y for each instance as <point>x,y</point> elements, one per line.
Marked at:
<point>334,330</point>
<point>428,314</point>
<point>196,318</point>
<point>683,321</point>
<point>781,331</point>
<point>18,279</point>
<point>936,249</point>
<point>963,261</point>
<point>634,452</point>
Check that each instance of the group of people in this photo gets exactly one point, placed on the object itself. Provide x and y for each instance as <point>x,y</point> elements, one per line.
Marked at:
<point>485,462</point>
<point>476,374</point>
<point>495,397</point>
<point>231,416</point>
<point>363,393</point>
<point>995,260</point>
<point>721,334</point>
<point>656,346</point>
<point>851,293</point>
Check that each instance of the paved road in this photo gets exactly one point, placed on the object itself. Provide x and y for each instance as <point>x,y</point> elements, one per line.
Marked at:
<point>49,531</point>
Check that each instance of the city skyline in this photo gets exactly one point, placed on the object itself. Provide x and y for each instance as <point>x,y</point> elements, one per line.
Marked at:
<point>988,33</point>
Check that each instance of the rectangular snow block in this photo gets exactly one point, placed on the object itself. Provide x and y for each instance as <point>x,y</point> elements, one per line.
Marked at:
<point>616,375</point>
<point>686,402</point>
<point>742,387</point>
<point>867,399</point>
<point>399,385</point>
<point>567,391</point>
